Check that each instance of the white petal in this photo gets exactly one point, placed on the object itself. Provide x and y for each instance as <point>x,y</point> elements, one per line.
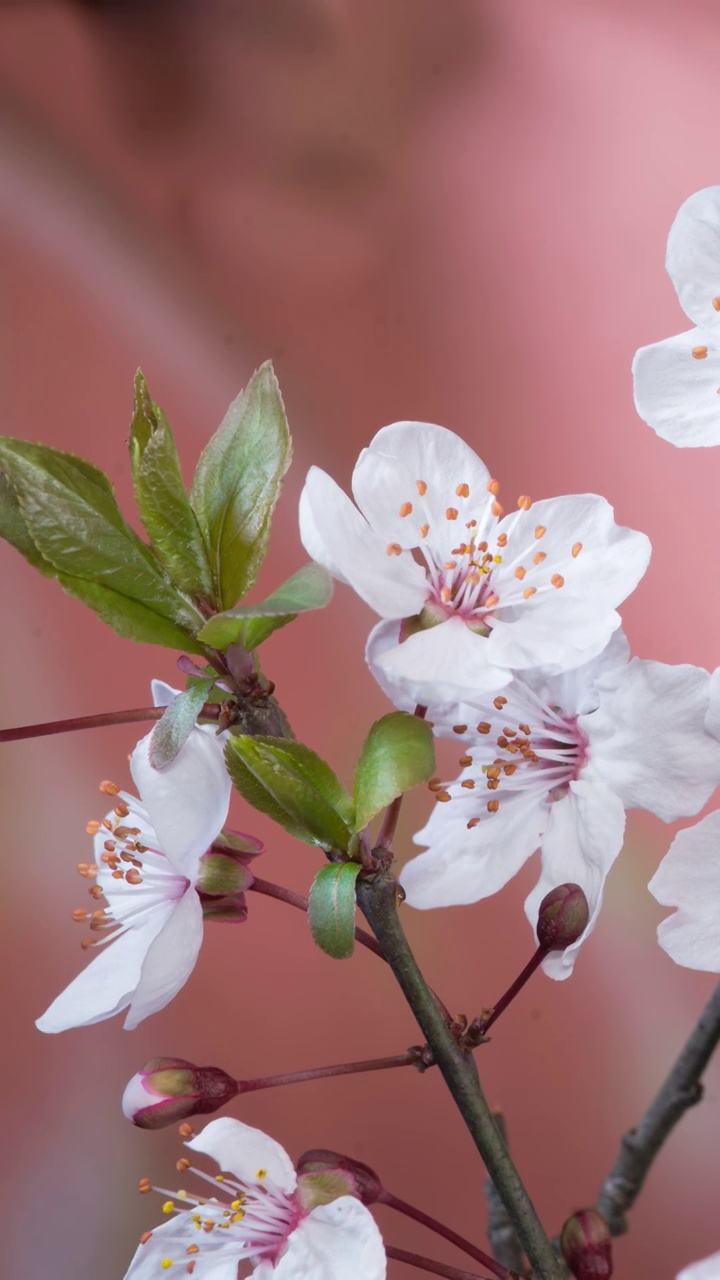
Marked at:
<point>241,1150</point>
<point>693,255</point>
<point>555,638</point>
<point>582,839</point>
<point>707,1269</point>
<point>107,984</point>
<point>676,394</point>
<point>387,474</point>
<point>335,534</point>
<point>441,664</point>
<point>712,720</point>
<point>463,866</point>
<point>162,694</point>
<point>169,961</point>
<point>337,1241</point>
<point>689,878</point>
<point>648,739</point>
<point>219,1253</point>
<point>188,801</point>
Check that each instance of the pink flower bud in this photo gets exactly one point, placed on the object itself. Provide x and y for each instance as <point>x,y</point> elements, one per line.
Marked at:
<point>170,1089</point>
<point>325,1175</point>
<point>586,1246</point>
<point>563,917</point>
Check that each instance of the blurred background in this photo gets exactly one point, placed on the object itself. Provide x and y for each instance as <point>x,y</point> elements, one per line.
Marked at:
<point>453,211</point>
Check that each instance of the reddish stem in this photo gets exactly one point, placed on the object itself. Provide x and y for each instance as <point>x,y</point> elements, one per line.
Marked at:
<point>296,900</point>
<point>409,1059</point>
<point>481,1025</point>
<point>393,1202</point>
<point>428,1264</point>
<point>210,711</point>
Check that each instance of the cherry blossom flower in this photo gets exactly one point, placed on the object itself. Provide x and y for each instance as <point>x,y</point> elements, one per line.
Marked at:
<point>688,879</point>
<point>553,762</point>
<point>707,1269</point>
<point>263,1218</point>
<point>148,865</point>
<point>471,593</point>
<point>677,381</point>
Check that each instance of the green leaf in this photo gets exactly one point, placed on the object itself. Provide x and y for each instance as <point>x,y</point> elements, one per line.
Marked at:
<point>292,785</point>
<point>160,491</point>
<point>310,588</point>
<point>331,912</point>
<point>15,531</point>
<point>398,754</point>
<point>177,723</point>
<point>71,517</point>
<point>237,484</point>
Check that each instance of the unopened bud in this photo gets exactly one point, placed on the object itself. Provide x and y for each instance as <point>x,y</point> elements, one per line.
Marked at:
<point>170,1089</point>
<point>563,917</point>
<point>586,1246</point>
<point>325,1175</point>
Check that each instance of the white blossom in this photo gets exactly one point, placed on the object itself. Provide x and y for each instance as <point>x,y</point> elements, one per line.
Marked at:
<point>261,1219</point>
<point>677,380</point>
<point>468,594</point>
<point>707,1269</point>
<point>552,763</point>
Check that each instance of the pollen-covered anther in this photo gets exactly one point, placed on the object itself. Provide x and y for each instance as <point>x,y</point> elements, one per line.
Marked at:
<point>528,592</point>
<point>699,353</point>
<point>435,784</point>
<point>465,762</point>
<point>493,806</point>
<point>459,728</point>
<point>484,727</point>
<point>716,303</point>
<point>109,788</point>
<point>557,580</point>
<point>424,530</point>
<point>462,491</point>
<point>468,784</point>
<point>497,509</point>
<point>181,1166</point>
<point>451,513</point>
<point>95,892</point>
<point>186,1130</point>
<point>501,540</point>
<point>394,549</point>
<point>144,1185</point>
<point>122,810</point>
<point>80,915</point>
<point>499,702</point>
<point>472,823</point>
<point>493,487</point>
<point>443,796</point>
<point>492,601</point>
<point>520,572</point>
<point>540,530</point>
<point>406,509</point>
<point>133,876</point>
<point>92,827</point>
<point>146,1235</point>
<point>524,502</point>
<point>577,548</point>
<point>421,487</point>
<point>446,595</point>
<point>539,557</point>
<point>87,870</point>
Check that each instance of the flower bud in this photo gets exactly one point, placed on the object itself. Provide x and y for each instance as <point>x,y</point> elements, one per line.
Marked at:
<point>170,1089</point>
<point>586,1246</point>
<point>563,917</point>
<point>324,1176</point>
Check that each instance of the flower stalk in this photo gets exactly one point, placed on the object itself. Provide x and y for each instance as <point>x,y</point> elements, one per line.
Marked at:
<point>417,1215</point>
<point>435,1268</point>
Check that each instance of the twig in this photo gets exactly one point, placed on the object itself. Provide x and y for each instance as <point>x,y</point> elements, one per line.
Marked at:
<point>501,1232</point>
<point>682,1089</point>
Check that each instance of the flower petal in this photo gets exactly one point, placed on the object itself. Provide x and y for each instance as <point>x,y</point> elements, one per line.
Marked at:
<point>693,255</point>
<point>583,837</point>
<point>676,393</point>
<point>337,1241</point>
<point>107,984</point>
<point>170,960</point>
<point>162,694</point>
<point>188,801</point>
<point>219,1253</point>
<point>445,663</point>
<point>648,738</point>
<point>241,1150</point>
<point>462,865</point>
<point>335,534</point>
<point>407,454</point>
<point>707,1269</point>
<point>689,878</point>
<point>712,719</point>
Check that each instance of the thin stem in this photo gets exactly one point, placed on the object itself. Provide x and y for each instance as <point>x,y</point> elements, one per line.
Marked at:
<point>401,1206</point>
<point>210,711</point>
<point>427,1264</point>
<point>409,1059</point>
<point>377,900</point>
<point>682,1089</point>
<point>296,900</point>
<point>481,1025</point>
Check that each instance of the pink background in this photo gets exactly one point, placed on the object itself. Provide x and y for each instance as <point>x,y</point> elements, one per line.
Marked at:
<point>452,211</point>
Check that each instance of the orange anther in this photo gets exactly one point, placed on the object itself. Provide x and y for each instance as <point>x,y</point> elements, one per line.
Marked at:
<point>133,876</point>
<point>716,303</point>
<point>471,524</point>
<point>491,602</point>
<point>539,557</point>
<point>465,761</point>
<point>144,1185</point>
<point>109,788</point>
<point>493,486</point>
<point>186,1130</point>
<point>484,727</point>
<point>451,513</point>
<point>459,728</point>
<point>699,353</point>
<point>446,595</point>
<point>190,1267</point>
<point>502,539</point>
<point>435,784</point>
<point>443,796</point>
<point>424,530</point>
<point>499,702</point>
<point>80,915</point>
<point>472,823</point>
<point>524,502</point>
<point>540,530</point>
<point>450,565</point>
<point>528,592</point>
<point>181,1166</point>
<point>121,810</point>
<point>520,572</point>
<point>497,509</point>
<point>192,1248</point>
<point>463,491</point>
<point>394,549</point>
<point>92,828</point>
<point>558,580</point>
<point>406,509</point>
<point>96,892</point>
<point>576,550</point>
<point>421,487</point>
<point>524,728</point>
<point>509,769</point>
<point>146,1235</point>
<point>493,806</point>
<point>469,784</point>
<point>87,943</point>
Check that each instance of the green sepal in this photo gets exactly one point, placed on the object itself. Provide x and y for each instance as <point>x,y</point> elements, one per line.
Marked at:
<point>161,496</point>
<point>294,786</point>
<point>397,755</point>
<point>310,588</point>
<point>331,909</point>
<point>237,484</point>
<point>177,723</point>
